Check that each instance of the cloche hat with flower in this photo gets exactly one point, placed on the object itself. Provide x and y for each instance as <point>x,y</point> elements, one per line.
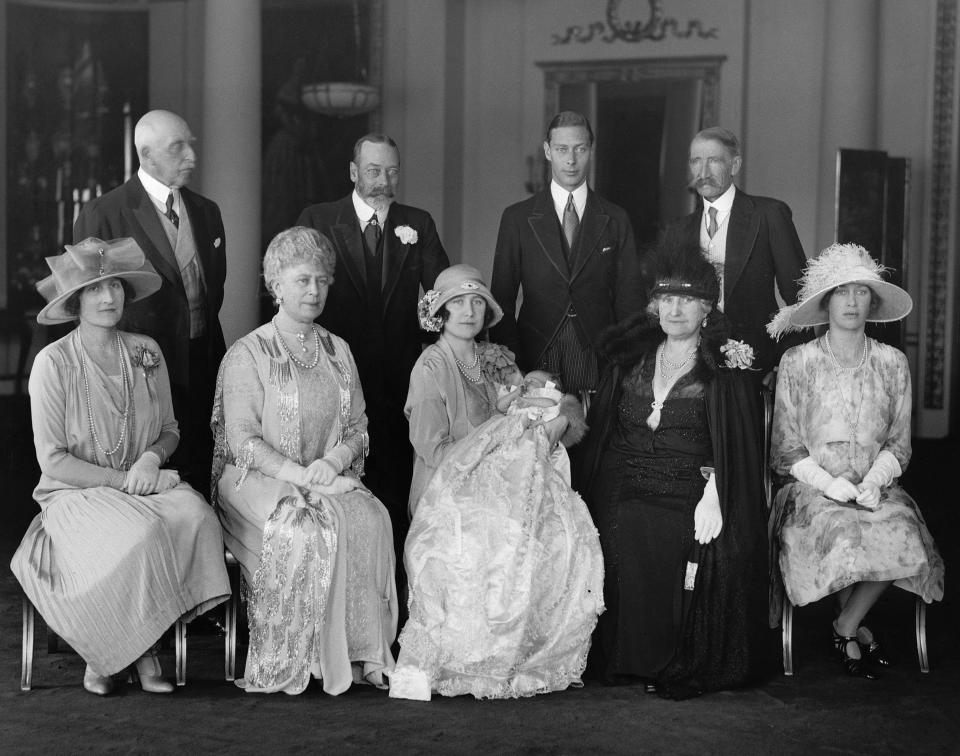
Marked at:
<point>88,262</point>
<point>455,281</point>
<point>837,265</point>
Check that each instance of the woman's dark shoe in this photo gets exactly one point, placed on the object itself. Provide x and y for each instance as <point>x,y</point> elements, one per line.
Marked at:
<point>870,648</point>
<point>854,667</point>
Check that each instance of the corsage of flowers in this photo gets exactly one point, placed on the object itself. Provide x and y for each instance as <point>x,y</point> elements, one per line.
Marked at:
<point>739,354</point>
<point>145,359</point>
<point>497,363</point>
<point>428,322</point>
<point>406,235</point>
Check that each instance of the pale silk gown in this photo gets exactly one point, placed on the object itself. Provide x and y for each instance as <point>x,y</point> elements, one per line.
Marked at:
<point>322,598</point>
<point>109,571</point>
<point>503,560</point>
<point>826,545</point>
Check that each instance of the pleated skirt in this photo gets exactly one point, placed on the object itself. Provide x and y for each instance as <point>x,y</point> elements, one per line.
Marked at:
<point>110,572</point>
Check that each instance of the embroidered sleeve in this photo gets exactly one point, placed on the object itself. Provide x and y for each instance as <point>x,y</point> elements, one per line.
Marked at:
<point>243,398</point>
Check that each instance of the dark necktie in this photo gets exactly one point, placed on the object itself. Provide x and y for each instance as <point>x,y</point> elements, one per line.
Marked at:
<point>171,213</point>
<point>371,235</point>
<point>712,222</point>
<point>571,221</point>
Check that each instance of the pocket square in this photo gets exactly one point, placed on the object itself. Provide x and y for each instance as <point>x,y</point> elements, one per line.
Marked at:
<point>216,243</point>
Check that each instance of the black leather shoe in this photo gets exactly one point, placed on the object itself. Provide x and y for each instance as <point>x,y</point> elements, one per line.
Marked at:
<point>875,653</point>
<point>854,667</point>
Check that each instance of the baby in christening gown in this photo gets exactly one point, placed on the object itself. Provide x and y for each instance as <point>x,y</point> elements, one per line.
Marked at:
<point>504,563</point>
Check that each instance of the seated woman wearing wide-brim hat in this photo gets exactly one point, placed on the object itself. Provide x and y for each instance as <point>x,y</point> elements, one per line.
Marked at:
<point>841,432</point>
<point>122,548</point>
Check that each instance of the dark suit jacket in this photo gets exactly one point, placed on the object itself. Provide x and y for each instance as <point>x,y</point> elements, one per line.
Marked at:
<point>602,279</point>
<point>762,249</point>
<point>165,316</point>
<point>407,268</point>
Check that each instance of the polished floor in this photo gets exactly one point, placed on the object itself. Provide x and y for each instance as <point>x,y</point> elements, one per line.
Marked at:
<point>816,711</point>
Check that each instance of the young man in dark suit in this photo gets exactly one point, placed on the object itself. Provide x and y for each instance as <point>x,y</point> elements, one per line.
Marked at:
<point>572,253</point>
<point>386,253</point>
<point>181,234</point>
<point>751,239</point>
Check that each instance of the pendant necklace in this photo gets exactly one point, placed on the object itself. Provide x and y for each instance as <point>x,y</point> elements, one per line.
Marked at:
<point>846,406</point>
<point>301,337</point>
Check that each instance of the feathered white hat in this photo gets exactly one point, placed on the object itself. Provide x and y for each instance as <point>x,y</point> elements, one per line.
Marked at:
<point>835,266</point>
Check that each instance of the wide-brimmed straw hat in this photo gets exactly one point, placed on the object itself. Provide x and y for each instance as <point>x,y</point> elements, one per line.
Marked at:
<point>837,265</point>
<point>455,281</point>
<point>86,263</point>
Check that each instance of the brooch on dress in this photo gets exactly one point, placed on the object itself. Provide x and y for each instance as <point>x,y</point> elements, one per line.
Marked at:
<point>145,358</point>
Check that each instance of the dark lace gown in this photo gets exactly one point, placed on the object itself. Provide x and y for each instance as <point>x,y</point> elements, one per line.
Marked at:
<point>644,497</point>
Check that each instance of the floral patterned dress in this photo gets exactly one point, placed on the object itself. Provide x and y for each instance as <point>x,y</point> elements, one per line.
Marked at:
<point>826,545</point>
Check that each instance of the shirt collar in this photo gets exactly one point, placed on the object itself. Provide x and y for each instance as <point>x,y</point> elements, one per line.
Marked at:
<point>365,212</point>
<point>723,203</point>
<point>560,196</point>
<point>158,190</point>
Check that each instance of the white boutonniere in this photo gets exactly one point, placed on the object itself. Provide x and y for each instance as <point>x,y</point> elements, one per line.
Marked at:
<point>406,235</point>
<point>216,243</point>
<point>145,359</point>
<point>739,354</point>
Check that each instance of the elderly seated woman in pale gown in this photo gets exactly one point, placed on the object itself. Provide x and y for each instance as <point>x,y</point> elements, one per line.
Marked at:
<point>122,548</point>
<point>314,545</point>
<point>841,433</point>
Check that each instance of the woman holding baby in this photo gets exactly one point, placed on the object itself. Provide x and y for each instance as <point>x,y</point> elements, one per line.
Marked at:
<point>315,546</point>
<point>503,561</point>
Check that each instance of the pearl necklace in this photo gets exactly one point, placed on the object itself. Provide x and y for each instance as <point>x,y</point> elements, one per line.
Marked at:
<point>846,406</point>
<point>301,338</point>
<point>464,369</point>
<point>127,391</point>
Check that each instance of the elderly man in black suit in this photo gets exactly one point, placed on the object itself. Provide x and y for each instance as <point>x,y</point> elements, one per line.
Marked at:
<point>386,253</point>
<point>573,255</point>
<point>752,241</point>
<point>181,234</point>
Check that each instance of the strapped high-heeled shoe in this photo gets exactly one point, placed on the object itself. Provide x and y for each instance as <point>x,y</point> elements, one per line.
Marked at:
<point>100,685</point>
<point>147,669</point>
<point>872,650</point>
<point>854,667</point>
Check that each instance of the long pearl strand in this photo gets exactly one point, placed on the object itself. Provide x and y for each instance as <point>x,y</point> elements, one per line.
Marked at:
<point>127,394</point>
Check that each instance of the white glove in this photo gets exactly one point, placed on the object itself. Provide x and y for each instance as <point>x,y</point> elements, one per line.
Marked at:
<point>707,520</point>
<point>809,472</point>
<point>884,471</point>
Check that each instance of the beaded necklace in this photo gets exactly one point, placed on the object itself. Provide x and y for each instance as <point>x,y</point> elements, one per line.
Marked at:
<point>465,369</point>
<point>301,338</point>
<point>666,371</point>
<point>125,415</point>
<point>846,406</point>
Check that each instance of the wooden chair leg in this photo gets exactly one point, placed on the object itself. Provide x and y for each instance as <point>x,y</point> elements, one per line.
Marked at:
<point>26,658</point>
<point>921,625</point>
<point>232,610</point>
<point>787,637</point>
<point>180,636</point>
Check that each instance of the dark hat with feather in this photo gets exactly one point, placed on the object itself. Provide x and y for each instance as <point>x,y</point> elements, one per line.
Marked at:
<point>676,265</point>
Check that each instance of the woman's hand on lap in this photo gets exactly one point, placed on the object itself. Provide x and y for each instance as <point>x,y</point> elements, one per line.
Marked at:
<point>869,495</point>
<point>167,479</point>
<point>141,478</point>
<point>707,519</point>
<point>319,473</point>
<point>841,489</point>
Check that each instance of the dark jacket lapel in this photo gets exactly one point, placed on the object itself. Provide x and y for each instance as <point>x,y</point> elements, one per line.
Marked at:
<point>742,233</point>
<point>394,252</point>
<point>156,245</point>
<point>591,229</point>
<point>346,232</point>
<point>546,230</point>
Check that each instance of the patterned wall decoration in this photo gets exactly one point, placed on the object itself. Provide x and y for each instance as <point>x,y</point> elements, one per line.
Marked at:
<point>938,281</point>
<point>654,29</point>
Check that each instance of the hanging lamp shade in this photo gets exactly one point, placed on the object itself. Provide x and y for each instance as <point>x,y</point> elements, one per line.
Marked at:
<point>341,99</point>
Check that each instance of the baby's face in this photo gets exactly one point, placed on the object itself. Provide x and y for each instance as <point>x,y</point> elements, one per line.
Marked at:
<point>535,379</point>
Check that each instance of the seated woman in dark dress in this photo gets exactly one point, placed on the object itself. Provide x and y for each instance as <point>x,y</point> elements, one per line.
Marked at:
<point>673,477</point>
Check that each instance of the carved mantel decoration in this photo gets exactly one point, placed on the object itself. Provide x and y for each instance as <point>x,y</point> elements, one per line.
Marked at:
<point>655,28</point>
